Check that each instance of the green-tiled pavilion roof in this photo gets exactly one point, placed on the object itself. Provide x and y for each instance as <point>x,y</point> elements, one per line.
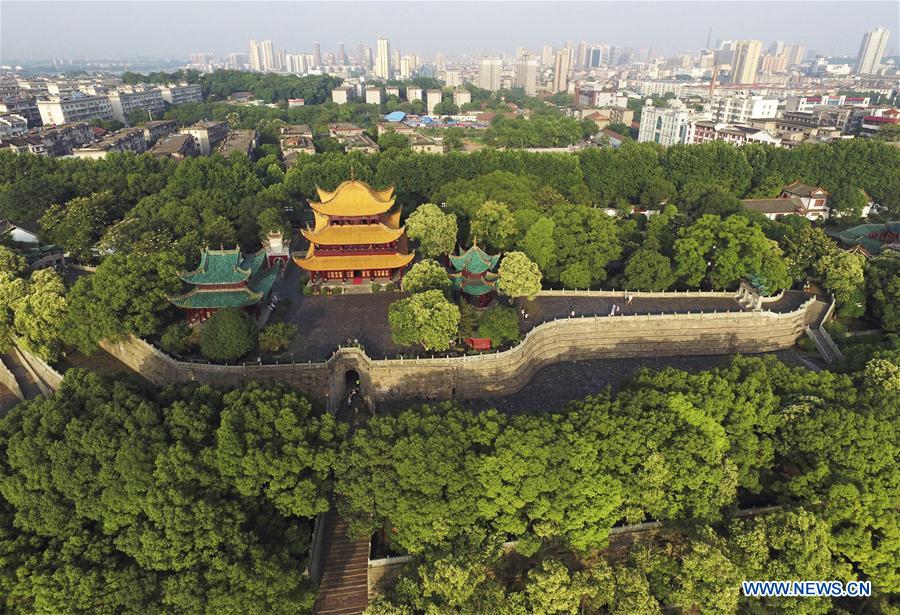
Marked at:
<point>256,288</point>
<point>474,260</point>
<point>476,285</point>
<point>224,267</point>
<point>859,236</point>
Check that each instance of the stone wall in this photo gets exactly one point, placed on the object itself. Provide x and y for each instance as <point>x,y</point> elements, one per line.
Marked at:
<point>159,368</point>
<point>496,374</point>
<point>47,379</point>
<point>8,380</point>
<point>504,373</point>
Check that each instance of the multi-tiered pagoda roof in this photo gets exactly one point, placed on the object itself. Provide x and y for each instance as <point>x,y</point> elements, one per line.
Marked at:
<point>357,234</point>
<point>226,278</point>
<point>475,273</point>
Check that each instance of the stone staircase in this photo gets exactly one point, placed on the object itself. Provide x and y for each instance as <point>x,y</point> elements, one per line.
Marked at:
<point>344,583</point>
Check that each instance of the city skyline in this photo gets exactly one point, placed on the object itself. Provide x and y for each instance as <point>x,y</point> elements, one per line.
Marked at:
<point>529,25</point>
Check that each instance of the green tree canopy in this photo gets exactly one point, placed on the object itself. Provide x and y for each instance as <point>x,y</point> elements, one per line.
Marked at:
<point>519,276</point>
<point>229,334</point>
<point>426,275</point>
<point>427,319</point>
<point>433,229</point>
<point>494,225</point>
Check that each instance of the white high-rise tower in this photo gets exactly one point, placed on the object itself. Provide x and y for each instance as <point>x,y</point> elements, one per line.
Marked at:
<point>870,51</point>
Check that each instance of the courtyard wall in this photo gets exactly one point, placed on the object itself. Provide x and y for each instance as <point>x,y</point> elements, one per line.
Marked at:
<point>495,374</point>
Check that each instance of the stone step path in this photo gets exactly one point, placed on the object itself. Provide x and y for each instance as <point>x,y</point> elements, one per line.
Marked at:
<point>29,386</point>
<point>344,584</point>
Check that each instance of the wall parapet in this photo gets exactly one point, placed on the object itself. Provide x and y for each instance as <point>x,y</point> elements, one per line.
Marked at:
<point>493,374</point>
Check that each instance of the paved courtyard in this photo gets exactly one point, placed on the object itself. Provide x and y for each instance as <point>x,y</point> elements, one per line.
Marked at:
<point>326,321</point>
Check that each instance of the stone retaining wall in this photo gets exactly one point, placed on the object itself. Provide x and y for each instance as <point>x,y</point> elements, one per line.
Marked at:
<point>47,378</point>
<point>8,380</point>
<point>496,374</point>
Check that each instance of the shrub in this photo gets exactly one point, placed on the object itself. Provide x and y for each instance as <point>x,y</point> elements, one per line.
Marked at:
<point>500,324</point>
<point>806,344</point>
<point>175,338</point>
<point>229,334</point>
<point>277,337</point>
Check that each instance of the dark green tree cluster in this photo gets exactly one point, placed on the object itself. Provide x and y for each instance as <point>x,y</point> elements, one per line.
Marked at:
<point>447,484</point>
<point>541,131</point>
<point>188,500</point>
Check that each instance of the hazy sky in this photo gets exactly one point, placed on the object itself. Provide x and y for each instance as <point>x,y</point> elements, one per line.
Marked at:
<point>78,29</point>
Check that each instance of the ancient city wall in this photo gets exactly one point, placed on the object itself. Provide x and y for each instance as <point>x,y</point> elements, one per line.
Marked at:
<point>159,368</point>
<point>504,373</point>
<point>495,374</point>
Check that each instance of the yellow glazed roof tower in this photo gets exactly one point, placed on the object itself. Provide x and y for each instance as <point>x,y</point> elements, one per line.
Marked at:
<point>357,233</point>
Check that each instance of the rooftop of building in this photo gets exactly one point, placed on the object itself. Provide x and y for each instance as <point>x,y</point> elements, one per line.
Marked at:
<point>774,206</point>
<point>172,144</point>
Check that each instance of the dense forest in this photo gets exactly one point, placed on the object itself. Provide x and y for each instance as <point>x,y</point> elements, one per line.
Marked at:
<point>115,497</point>
<point>142,219</point>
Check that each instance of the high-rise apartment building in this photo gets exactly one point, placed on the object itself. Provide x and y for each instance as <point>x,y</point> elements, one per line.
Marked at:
<point>268,56</point>
<point>341,55</point>
<point>383,59</point>
<point>451,77</point>
<point>317,54</point>
<point>746,61</point>
<point>256,61</point>
<point>795,54</point>
<point>489,73</point>
<point>526,73</point>
<point>870,51</point>
<point>405,67</point>
<point>561,71</point>
<point>547,55</point>
<point>581,55</point>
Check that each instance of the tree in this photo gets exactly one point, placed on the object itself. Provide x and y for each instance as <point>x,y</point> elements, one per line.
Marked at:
<point>538,244</point>
<point>12,290</point>
<point>494,225</point>
<point>415,473</point>
<point>277,337</point>
<point>648,270</point>
<point>519,276</point>
<point>433,229</point>
<point>722,251</point>
<point>132,514</point>
<point>273,220</point>
<point>127,295</point>
<point>806,251</point>
<point>586,240</point>
<point>229,334</point>
<point>576,276</point>
<point>78,224</point>
<point>426,318</point>
<point>11,262</point>
<point>426,275</point>
<point>270,443</point>
<point>883,282</point>
<point>39,315</point>
<point>499,324</point>
<point>847,201</point>
<point>390,139</point>
<point>656,192</point>
<point>845,277</point>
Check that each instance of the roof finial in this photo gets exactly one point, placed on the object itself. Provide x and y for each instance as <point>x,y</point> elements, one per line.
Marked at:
<point>352,174</point>
<point>474,241</point>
